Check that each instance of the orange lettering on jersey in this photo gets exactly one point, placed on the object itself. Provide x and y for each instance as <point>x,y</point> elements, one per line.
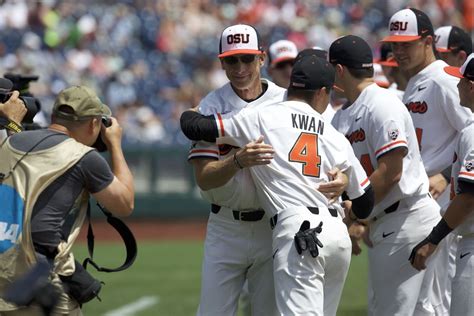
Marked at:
<point>417,107</point>
<point>356,136</point>
<point>452,194</point>
<point>366,164</point>
<point>419,136</point>
<point>305,150</point>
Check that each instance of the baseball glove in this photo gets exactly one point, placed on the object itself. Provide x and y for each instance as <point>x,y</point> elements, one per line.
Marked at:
<point>306,239</point>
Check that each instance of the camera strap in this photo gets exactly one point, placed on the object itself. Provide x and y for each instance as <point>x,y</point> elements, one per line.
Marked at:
<point>127,237</point>
<point>10,125</point>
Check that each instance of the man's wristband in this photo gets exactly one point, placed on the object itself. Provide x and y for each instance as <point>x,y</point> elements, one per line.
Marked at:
<point>10,125</point>
<point>440,231</point>
<point>237,163</point>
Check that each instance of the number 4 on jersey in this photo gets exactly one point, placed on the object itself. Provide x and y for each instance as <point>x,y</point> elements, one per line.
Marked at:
<point>305,150</point>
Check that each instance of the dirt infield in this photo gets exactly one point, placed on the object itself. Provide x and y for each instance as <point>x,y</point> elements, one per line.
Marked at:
<point>149,230</point>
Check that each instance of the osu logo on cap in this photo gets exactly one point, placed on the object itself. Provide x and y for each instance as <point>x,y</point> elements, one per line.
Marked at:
<point>398,26</point>
<point>238,38</point>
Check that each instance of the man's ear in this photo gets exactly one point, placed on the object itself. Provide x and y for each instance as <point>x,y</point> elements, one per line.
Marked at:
<point>462,56</point>
<point>93,124</point>
<point>339,70</point>
<point>261,59</point>
<point>429,41</point>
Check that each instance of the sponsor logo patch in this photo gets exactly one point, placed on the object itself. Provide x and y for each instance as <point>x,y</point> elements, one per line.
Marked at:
<point>393,134</point>
<point>469,165</point>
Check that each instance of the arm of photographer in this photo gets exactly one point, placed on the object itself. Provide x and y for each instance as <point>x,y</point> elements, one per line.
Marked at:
<point>118,197</point>
<point>13,109</point>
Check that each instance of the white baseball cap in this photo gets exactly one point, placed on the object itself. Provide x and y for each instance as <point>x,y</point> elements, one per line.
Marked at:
<point>465,71</point>
<point>282,50</point>
<point>448,38</point>
<point>409,25</point>
<point>239,39</point>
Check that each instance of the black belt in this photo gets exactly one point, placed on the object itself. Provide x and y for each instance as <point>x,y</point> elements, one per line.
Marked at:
<point>314,210</point>
<point>392,208</point>
<point>246,216</point>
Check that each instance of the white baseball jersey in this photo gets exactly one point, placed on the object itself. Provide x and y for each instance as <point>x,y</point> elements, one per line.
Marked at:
<point>329,113</point>
<point>432,99</point>
<point>306,148</point>
<point>394,88</point>
<point>238,193</point>
<point>376,123</point>
<point>463,170</point>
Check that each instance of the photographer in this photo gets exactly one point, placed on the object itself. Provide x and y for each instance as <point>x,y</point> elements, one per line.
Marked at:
<point>13,110</point>
<point>46,177</point>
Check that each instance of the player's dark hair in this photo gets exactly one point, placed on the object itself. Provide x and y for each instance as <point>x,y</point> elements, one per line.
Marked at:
<point>306,95</point>
<point>361,73</point>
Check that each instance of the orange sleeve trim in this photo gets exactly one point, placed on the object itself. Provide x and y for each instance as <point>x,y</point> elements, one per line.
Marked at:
<point>221,124</point>
<point>390,145</point>
<point>469,174</point>
<point>364,182</point>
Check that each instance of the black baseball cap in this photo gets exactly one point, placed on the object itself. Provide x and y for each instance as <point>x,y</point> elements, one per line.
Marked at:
<point>465,71</point>
<point>351,51</point>
<point>321,53</point>
<point>311,73</point>
<point>409,25</point>
<point>448,38</point>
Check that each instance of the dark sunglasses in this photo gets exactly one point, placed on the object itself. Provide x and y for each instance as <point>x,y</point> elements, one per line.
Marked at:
<point>245,59</point>
<point>284,64</point>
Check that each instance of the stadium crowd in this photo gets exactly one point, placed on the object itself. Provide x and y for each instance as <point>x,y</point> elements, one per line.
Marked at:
<point>150,59</point>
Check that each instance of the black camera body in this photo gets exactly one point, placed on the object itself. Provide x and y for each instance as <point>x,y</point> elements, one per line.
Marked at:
<point>21,83</point>
<point>99,143</point>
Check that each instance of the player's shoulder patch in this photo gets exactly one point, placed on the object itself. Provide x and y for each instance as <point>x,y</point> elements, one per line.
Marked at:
<point>393,133</point>
<point>469,165</point>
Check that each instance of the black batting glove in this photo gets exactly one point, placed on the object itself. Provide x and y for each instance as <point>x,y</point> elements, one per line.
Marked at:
<point>306,239</point>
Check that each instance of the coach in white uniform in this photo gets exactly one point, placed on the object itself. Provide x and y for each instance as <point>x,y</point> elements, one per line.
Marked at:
<point>432,99</point>
<point>383,138</point>
<point>460,213</point>
<point>306,148</point>
<point>238,239</point>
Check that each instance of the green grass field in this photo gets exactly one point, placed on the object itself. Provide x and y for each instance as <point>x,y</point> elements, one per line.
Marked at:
<point>165,280</point>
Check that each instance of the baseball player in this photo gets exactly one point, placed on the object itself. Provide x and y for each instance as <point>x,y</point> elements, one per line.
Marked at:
<point>310,264</point>
<point>238,240</point>
<point>396,78</point>
<point>281,56</point>
<point>383,138</point>
<point>328,114</point>
<point>460,213</point>
<point>432,99</point>
<point>453,45</point>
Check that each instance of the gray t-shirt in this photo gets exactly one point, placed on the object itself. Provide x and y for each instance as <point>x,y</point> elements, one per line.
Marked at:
<point>51,217</point>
